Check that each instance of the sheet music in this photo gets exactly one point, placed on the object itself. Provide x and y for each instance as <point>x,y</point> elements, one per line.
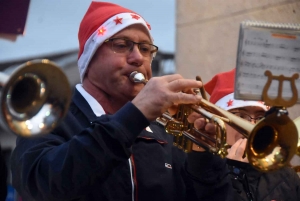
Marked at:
<point>266,47</point>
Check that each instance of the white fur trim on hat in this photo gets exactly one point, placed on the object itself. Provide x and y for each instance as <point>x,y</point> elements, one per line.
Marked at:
<point>109,28</point>
<point>228,102</point>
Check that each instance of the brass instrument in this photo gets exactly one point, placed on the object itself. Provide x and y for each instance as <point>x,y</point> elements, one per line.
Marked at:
<point>297,167</point>
<point>34,98</point>
<point>185,133</point>
<point>297,123</point>
<point>272,142</point>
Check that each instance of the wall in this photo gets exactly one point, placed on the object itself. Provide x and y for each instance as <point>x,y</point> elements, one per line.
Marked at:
<point>207,32</point>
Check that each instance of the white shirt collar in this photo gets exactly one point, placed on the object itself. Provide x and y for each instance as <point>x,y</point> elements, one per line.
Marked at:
<point>96,107</point>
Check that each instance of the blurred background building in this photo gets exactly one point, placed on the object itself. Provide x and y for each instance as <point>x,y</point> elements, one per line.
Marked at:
<point>194,37</point>
<point>207,33</point>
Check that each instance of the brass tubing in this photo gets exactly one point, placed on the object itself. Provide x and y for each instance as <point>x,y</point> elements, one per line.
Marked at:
<point>272,142</point>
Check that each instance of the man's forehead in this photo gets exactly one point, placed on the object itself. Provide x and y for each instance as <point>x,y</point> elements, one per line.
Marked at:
<point>125,33</point>
<point>250,109</point>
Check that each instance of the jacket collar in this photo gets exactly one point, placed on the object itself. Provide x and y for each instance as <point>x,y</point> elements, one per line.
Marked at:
<point>83,105</point>
<point>251,172</point>
<point>155,132</point>
<point>152,132</point>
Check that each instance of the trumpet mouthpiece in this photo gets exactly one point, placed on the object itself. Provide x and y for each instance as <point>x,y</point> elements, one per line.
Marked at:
<point>137,77</point>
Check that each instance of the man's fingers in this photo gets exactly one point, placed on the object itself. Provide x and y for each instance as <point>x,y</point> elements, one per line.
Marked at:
<point>241,148</point>
<point>210,128</point>
<point>184,98</point>
<point>244,143</point>
<point>173,109</point>
<point>199,123</point>
<point>169,93</point>
<point>237,150</point>
<point>184,84</point>
<point>193,117</point>
<point>236,144</point>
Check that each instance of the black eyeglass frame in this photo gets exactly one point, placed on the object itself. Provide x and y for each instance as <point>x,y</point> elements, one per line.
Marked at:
<point>152,52</point>
<point>249,118</point>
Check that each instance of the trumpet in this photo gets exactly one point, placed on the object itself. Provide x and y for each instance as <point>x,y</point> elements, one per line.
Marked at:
<point>272,142</point>
<point>297,123</point>
<point>34,98</point>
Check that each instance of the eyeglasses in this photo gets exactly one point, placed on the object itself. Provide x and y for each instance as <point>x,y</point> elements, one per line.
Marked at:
<point>248,117</point>
<point>121,45</point>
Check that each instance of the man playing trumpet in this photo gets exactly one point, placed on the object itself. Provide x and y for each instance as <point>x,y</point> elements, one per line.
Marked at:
<point>109,147</point>
<point>247,182</point>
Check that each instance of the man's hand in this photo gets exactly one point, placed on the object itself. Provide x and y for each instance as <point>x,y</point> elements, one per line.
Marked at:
<point>236,152</point>
<point>162,93</point>
<point>205,126</point>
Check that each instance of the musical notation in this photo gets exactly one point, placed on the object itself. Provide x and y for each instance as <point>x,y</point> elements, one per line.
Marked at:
<point>270,56</point>
<point>272,46</point>
<point>262,66</point>
<point>262,49</point>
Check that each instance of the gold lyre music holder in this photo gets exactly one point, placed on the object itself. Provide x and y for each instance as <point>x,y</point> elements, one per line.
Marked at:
<point>268,53</point>
<point>279,101</point>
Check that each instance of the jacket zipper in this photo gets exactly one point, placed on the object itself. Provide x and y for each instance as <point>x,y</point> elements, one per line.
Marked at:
<point>133,178</point>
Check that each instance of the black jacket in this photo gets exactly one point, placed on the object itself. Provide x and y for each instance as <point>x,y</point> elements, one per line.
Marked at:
<point>246,183</point>
<point>250,184</point>
<point>3,177</point>
<point>112,157</point>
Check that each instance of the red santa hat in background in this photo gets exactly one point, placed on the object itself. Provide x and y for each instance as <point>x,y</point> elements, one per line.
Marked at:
<point>101,21</point>
<point>221,88</point>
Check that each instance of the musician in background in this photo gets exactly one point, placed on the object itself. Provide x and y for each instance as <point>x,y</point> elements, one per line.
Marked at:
<point>247,182</point>
<point>3,177</point>
<point>109,147</point>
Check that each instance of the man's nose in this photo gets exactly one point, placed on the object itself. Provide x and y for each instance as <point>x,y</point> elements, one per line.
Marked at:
<point>135,51</point>
<point>135,57</point>
<point>253,121</point>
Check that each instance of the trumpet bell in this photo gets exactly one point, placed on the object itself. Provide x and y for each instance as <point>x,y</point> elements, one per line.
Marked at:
<point>297,123</point>
<point>34,98</point>
<point>272,143</point>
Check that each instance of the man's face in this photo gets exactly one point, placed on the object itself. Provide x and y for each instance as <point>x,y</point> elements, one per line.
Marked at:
<point>253,112</point>
<point>109,71</point>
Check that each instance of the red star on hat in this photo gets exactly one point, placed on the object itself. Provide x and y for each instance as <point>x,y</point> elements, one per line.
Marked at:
<point>118,20</point>
<point>101,21</point>
<point>221,91</point>
<point>148,25</point>
<point>135,16</point>
<point>101,31</point>
<point>229,103</point>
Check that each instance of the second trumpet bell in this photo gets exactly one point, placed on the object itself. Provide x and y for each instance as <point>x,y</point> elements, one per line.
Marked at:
<point>34,99</point>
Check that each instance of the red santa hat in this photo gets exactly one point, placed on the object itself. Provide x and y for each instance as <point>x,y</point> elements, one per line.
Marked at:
<point>221,88</point>
<point>101,21</point>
